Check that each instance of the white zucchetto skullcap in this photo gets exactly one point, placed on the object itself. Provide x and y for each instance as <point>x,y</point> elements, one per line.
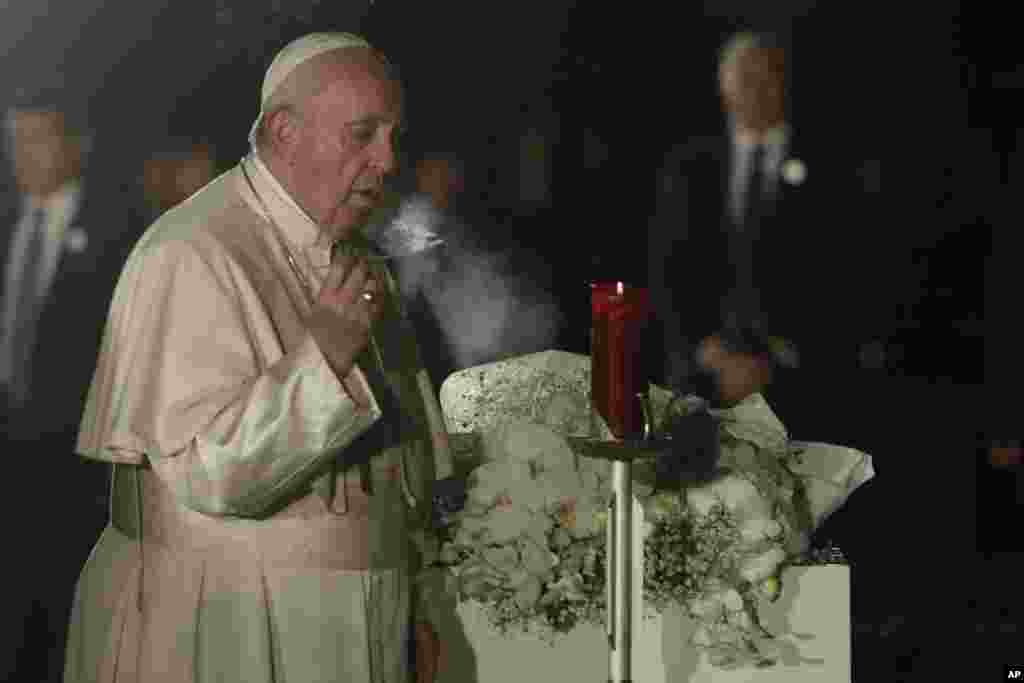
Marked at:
<point>295,53</point>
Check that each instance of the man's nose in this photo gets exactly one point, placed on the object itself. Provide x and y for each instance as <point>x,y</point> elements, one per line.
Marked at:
<point>385,157</point>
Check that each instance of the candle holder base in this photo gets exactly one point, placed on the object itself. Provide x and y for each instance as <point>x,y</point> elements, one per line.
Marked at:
<point>624,450</point>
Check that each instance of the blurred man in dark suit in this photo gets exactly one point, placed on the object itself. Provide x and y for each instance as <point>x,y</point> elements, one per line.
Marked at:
<point>62,245</point>
<point>732,260</point>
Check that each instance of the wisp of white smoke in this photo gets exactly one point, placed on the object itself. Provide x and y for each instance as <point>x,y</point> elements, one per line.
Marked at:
<point>485,312</point>
<point>408,229</point>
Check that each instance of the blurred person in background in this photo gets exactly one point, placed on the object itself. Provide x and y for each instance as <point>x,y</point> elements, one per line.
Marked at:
<point>729,238</point>
<point>175,172</point>
<point>64,235</point>
<point>441,178</point>
<point>748,269</point>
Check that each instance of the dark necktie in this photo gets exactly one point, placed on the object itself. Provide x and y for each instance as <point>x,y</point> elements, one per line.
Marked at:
<point>27,310</point>
<point>744,300</point>
<point>754,197</point>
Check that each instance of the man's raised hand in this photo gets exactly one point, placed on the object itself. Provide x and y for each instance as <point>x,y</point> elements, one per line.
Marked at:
<point>343,314</point>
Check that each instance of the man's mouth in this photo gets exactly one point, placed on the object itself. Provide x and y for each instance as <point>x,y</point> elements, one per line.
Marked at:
<point>366,196</point>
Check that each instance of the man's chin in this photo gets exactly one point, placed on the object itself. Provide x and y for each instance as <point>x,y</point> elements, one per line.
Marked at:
<point>348,219</point>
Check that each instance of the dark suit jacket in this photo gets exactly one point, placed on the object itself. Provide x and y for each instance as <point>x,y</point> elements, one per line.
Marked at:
<point>699,261</point>
<point>73,315</point>
<point>805,265</point>
<point>57,502</point>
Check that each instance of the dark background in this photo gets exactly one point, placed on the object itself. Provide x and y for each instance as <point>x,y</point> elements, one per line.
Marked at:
<point>901,97</point>
<point>885,91</point>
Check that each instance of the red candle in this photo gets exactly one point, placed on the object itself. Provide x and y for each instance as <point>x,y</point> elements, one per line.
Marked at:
<point>619,313</point>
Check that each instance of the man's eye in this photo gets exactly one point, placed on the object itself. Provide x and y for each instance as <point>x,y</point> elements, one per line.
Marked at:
<point>363,134</point>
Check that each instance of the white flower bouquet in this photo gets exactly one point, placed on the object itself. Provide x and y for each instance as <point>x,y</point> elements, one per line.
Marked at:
<point>529,543</point>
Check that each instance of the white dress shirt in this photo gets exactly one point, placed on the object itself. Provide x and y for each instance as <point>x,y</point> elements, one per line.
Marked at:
<point>59,212</point>
<point>744,142</point>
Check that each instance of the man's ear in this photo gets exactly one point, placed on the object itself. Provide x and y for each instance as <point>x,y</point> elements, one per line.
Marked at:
<point>282,128</point>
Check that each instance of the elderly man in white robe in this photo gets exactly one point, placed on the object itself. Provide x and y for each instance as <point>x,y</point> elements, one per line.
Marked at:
<point>273,435</point>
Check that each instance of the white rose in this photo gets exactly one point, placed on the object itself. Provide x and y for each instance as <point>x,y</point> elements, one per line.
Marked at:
<point>528,442</point>
<point>528,593</point>
<point>533,495</point>
<point>536,559</point>
<point>701,500</point>
<point>537,529</point>
<point>755,530</point>
<point>518,577</point>
<point>735,492</point>
<point>709,607</point>
<point>732,600</point>
<point>555,485</point>
<point>701,636</point>
<point>506,523</point>
<point>740,619</point>
<point>490,480</point>
<point>477,579</point>
<point>762,566</point>
<point>757,507</point>
<point>571,586</point>
<point>504,559</point>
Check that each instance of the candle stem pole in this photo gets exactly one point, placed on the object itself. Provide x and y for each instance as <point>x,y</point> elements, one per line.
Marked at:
<point>620,577</point>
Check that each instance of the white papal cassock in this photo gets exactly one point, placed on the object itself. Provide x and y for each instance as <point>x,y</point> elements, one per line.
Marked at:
<point>244,544</point>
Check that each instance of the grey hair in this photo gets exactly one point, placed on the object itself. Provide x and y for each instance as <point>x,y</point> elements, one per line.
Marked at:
<point>290,98</point>
<point>746,40</point>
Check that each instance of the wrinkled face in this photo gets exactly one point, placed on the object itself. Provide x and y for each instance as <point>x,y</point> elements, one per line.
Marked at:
<point>344,144</point>
<point>44,156</point>
<point>752,86</point>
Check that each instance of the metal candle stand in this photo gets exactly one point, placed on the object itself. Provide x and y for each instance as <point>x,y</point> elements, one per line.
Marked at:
<point>619,573</point>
